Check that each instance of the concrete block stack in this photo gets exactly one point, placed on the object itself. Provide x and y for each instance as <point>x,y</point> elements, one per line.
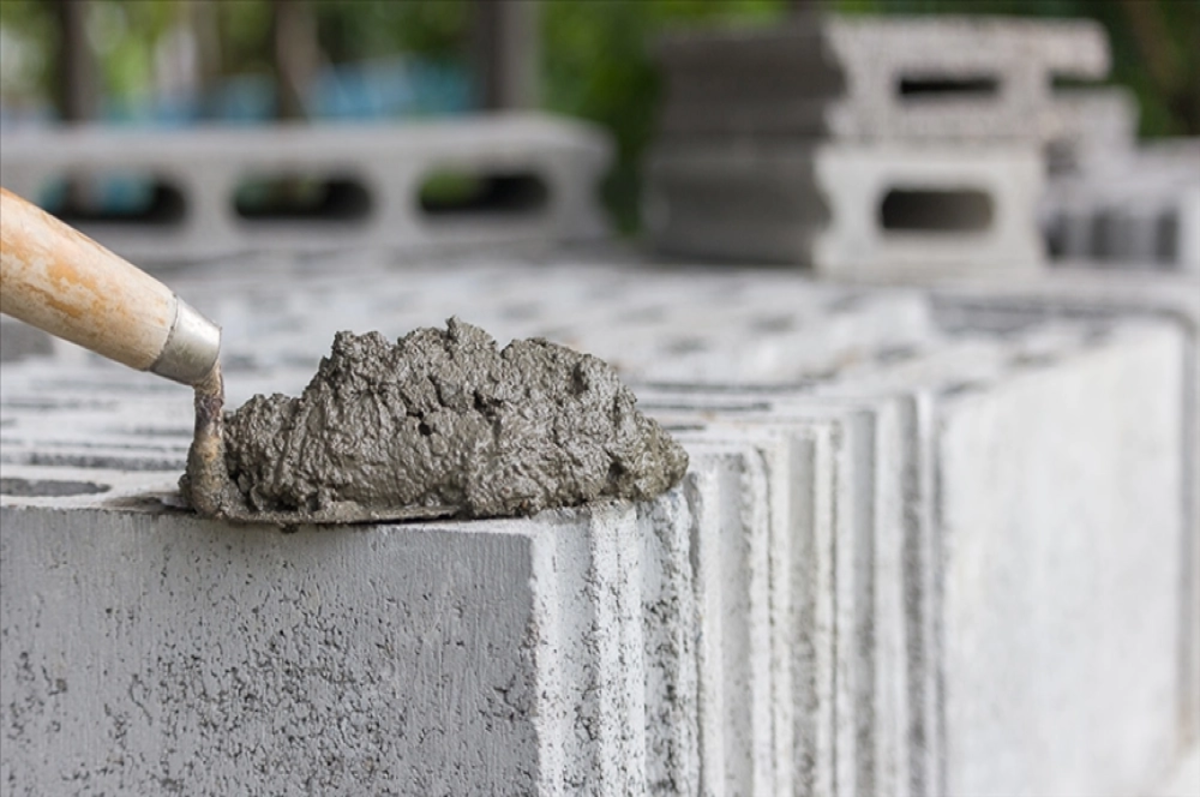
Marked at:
<point>930,542</point>
<point>863,146</point>
<point>1121,206</point>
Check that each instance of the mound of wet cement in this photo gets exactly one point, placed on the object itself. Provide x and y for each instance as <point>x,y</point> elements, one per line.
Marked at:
<point>445,419</point>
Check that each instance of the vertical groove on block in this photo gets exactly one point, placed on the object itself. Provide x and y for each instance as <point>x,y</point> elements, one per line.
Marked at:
<point>753,544</point>
<point>862,555</point>
<point>702,486</point>
<point>670,627</point>
<point>824,610</point>
<point>621,745</point>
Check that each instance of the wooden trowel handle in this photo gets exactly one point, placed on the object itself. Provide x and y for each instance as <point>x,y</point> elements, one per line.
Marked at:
<point>61,281</point>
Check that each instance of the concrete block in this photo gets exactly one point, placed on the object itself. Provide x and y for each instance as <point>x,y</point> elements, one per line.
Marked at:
<point>1047,589</point>
<point>1087,127</point>
<point>1140,209</point>
<point>841,522</point>
<point>1098,298</point>
<point>148,652</point>
<point>1091,594</point>
<point>797,617</point>
<point>877,78</point>
<point>89,464</point>
<point>849,211</point>
<point>536,179</point>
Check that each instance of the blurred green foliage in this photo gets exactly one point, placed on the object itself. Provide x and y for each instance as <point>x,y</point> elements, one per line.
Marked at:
<point>597,54</point>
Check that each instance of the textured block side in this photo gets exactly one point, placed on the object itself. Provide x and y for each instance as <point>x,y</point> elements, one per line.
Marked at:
<point>1060,491</point>
<point>154,653</point>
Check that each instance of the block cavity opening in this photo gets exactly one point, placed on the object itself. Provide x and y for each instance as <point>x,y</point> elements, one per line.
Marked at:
<point>134,198</point>
<point>936,210</point>
<point>297,196</point>
<point>463,193</point>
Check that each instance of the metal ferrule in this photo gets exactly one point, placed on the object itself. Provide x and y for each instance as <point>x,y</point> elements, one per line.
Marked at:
<point>191,349</point>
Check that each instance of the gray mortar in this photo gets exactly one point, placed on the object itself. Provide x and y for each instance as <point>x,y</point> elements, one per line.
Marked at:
<point>443,420</point>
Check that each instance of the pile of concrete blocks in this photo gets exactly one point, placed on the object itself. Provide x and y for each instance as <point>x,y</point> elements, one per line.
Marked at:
<point>863,146</point>
<point>1112,202</point>
<point>524,179</point>
<point>931,541</point>
<point>1125,206</point>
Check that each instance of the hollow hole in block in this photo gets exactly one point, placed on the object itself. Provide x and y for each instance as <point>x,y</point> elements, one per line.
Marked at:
<point>942,86</point>
<point>48,488</point>
<point>1166,237</point>
<point>448,194</point>
<point>935,210</point>
<point>85,197</point>
<point>294,196</point>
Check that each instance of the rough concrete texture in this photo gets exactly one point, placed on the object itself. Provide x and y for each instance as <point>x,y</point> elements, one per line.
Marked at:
<point>446,419</point>
<point>841,524</point>
<point>877,78</point>
<point>158,654</point>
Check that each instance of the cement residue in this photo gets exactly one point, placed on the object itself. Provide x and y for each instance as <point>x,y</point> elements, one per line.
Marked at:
<point>443,419</point>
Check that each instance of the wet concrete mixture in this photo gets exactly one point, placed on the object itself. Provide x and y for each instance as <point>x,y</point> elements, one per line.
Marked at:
<point>441,422</point>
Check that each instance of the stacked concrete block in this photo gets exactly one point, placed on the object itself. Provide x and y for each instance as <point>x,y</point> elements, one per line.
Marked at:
<point>863,146</point>
<point>1138,208</point>
<point>877,78</point>
<point>925,539</point>
<point>1112,202</point>
<point>543,173</point>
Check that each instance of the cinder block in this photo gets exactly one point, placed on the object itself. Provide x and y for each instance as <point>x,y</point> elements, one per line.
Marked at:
<point>877,78</point>
<point>149,651</point>
<point>850,211</point>
<point>1086,127</point>
<point>543,171</point>
<point>1076,548</point>
<point>1135,209</point>
<point>1089,579</point>
<point>797,617</point>
<point>1100,298</point>
<point>841,523</point>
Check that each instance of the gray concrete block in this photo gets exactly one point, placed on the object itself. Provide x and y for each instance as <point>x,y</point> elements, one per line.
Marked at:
<point>895,210</point>
<point>795,594</point>
<point>1099,298</point>
<point>840,520</point>
<point>1136,209</point>
<point>877,78</point>
<point>1091,594</point>
<point>1048,580</point>
<point>149,652</point>
<point>547,169</point>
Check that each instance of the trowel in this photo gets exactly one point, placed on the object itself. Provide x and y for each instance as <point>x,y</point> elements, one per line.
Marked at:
<point>64,283</point>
